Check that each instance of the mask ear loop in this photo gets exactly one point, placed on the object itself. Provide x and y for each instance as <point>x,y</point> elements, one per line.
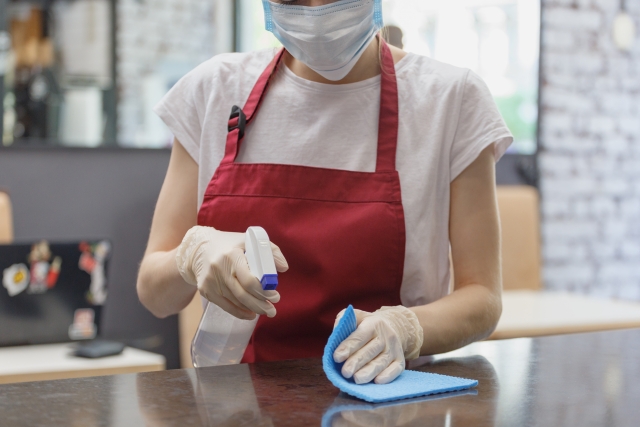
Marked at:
<point>268,18</point>
<point>377,14</point>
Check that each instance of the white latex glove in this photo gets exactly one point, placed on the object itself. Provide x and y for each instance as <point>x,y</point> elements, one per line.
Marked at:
<point>214,262</point>
<point>380,345</point>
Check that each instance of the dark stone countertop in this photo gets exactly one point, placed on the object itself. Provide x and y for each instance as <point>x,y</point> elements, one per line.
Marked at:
<point>572,380</point>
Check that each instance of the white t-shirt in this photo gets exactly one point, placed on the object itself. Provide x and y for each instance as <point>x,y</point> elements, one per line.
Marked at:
<point>447,117</point>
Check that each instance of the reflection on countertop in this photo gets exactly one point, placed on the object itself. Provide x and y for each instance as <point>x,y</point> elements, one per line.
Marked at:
<point>348,412</point>
<point>230,398</point>
<point>577,380</point>
<point>194,398</point>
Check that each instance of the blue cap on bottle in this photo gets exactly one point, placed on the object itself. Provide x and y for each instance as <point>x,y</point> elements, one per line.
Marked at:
<point>269,282</point>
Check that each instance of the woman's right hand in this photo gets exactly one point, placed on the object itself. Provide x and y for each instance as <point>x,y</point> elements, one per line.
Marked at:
<point>214,262</point>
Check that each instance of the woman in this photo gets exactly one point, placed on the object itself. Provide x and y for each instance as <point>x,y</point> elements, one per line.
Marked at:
<point>365,164</point>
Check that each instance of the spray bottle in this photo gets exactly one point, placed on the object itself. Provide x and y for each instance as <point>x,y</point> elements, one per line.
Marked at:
<point>221,338</point>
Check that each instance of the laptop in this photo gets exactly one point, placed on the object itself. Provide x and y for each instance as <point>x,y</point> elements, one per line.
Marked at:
<point>52,292</point>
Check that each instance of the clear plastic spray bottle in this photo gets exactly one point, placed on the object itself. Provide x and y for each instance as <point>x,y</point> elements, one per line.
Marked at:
<point>221,338</point>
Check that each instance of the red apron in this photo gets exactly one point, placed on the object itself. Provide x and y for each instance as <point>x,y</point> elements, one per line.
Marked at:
<point>342,232</point>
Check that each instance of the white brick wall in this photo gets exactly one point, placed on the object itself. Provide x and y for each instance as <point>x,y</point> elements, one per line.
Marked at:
<point>590,150</point>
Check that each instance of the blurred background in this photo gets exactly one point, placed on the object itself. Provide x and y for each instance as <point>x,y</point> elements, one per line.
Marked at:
<point>87,72</point>
<point>83,156</point>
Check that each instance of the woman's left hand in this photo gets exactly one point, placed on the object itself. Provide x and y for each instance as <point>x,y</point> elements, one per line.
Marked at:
<point>380,345</point>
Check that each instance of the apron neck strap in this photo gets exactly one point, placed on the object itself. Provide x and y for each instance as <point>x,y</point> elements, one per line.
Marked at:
<point>387,123</point>
<point>240,118</point>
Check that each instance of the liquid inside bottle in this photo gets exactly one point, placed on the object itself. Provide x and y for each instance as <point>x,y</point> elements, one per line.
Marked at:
<point>221,338</point>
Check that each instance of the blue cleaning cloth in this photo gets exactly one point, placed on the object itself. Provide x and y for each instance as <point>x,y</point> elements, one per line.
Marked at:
<point>409,384</point>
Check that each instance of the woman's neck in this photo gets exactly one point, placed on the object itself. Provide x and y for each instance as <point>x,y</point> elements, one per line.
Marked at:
<point>368,66</point>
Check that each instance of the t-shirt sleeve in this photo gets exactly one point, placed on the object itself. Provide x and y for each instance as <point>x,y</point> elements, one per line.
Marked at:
<point>182,110</point>
<point>479,125</point>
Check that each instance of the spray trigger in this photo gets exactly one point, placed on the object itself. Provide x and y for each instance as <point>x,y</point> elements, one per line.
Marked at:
<point>260,257</point>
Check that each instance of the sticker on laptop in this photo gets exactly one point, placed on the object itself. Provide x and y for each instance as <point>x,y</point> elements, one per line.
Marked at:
<point>44,275</point>
<point>15,279</point>
<point>83,327</point>
<point>92,261</point>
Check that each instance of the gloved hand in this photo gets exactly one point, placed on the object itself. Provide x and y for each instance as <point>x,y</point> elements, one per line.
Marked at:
<point>380,345</point>
<point>214,262</point>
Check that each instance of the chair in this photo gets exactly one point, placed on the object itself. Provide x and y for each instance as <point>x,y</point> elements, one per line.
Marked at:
<point>520,226</point>
<point>6,219</point>
<point>521,250</point>
<point>527,309</point>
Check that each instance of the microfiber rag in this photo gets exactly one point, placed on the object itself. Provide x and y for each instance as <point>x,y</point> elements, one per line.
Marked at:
<point>409,384</point>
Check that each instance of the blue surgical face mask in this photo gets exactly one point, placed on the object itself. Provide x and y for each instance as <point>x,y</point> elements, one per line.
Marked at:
<point>329,39</point>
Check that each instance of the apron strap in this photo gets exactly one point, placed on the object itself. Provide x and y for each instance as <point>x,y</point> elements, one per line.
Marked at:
<point>240,118</point>
<point>387,122</point>
<point>389,112</point>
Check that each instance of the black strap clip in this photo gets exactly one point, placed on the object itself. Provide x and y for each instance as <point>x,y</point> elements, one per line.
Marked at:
<point>236,112</point>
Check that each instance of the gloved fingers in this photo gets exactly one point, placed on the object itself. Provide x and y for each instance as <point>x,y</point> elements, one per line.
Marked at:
<point>215,284</point>
<point>373,368</point>
<point>228,306</point>
<point>236,240</point>
<point>273,296</point>
<point>363,356</point>
<point>249,282</point>
<point>228,287</point>
<point>281,263</point>
<point>237,263</point>
<point>354,342</point>
<point>390,373</point>
<point>226,293</point>
<point>360,316</point>
<point>231,288</point>
<point>249,301</point>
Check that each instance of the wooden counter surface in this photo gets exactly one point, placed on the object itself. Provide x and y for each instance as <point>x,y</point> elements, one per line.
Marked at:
<point>570,380</point>
<point>540,313</point>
